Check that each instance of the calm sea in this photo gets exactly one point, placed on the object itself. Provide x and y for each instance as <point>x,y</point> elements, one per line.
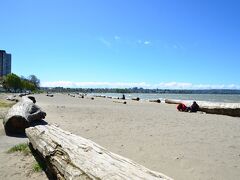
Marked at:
<point>228,98</point>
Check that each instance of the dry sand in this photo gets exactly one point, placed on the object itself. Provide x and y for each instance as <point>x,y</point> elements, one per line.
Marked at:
<point>180,145</point>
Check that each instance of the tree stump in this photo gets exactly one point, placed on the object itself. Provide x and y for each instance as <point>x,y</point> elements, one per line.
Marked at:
<point>69,156</point>
<point>21,115</point>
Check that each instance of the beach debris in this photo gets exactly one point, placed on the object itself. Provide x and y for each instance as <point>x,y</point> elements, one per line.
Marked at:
<point>22,94</point>
<point>101,96</point>
<point>136,99</point>
<point>155,100</point>
<point>50,95</point>
<point>121,102</point>
<point>69,156</point>
<point>21,115</point>
<point>12,98</point>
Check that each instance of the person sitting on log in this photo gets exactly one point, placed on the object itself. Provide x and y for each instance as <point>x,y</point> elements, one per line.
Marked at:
<point>194,107</point>
<point>182,107</point>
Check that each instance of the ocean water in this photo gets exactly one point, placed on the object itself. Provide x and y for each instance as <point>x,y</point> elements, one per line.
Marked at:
<point>226,98</point>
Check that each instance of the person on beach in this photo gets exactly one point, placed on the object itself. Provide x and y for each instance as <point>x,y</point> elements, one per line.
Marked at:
<point>123,97</point>
<point>182,107</point>
<point>194,107</point>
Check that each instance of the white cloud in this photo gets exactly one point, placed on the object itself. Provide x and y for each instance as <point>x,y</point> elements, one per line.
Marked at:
<point>174,85</point>
<point>162,85</point>
<point>147,42</point>
<point>116,38</point>
<point>94,84</point>
<point>143,42</point>
<point>105,42</point>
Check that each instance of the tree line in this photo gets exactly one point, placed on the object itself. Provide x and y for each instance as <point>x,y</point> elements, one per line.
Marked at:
<point>14,83</point>
<point>141,90</point>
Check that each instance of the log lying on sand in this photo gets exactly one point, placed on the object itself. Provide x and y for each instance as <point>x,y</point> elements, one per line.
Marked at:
<point>235,112</point>
<point>21,115</point>
<point>101,96</point>
<point>12,98</point>
<point>136,99</point>
<point>230,109</point>
<point>69,156</point>
<point>155,100</point>
<point>50,95</point>
<point>24,94</point>
<point>121,102</point>
<point>170,101</point>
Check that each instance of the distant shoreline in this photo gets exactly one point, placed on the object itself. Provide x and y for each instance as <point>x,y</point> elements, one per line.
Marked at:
<point>142,90</point>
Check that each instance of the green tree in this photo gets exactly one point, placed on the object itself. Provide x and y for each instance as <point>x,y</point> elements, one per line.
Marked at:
<point>33,79</point>
<point>12,81</point>
<point>27,85</point>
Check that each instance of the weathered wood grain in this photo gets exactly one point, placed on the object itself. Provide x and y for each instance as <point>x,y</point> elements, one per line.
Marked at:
<point>69,156</point>
<point>21,115</point>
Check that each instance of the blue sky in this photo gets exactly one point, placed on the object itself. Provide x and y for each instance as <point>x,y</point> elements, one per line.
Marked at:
<point>124,43</point>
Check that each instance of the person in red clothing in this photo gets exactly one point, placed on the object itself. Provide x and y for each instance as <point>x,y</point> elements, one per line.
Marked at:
<point>193,108</point>
<point>182,107</point>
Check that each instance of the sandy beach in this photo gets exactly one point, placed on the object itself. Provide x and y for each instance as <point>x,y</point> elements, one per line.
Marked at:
<point>180,145</point>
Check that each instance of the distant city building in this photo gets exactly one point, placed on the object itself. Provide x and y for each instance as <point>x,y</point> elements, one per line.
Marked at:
<point>5,63</point>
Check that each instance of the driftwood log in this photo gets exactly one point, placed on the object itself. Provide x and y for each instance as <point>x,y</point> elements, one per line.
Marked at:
<point>230,109</point>
<point>136,99</point>
<point>12,98</point>
<point>121,102</point>
<point>235,112</point>
<point>169,101</point>
<point>155,100</point>
<point>68,156</point>
<point>101,96</point>
<point>50,95</point>
<point>21,115</point>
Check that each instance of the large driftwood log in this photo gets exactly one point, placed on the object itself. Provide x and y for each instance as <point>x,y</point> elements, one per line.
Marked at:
<point>21,115</point>
<point>235,112</point>
<point>69,156</point>
<point>230,109</point>
<point>170,101</point>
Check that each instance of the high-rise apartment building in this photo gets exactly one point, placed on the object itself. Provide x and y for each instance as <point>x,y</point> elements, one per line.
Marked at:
<point>5,63</point>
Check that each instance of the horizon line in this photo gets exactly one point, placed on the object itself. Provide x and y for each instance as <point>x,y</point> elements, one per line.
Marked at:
<point>144,85</point>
